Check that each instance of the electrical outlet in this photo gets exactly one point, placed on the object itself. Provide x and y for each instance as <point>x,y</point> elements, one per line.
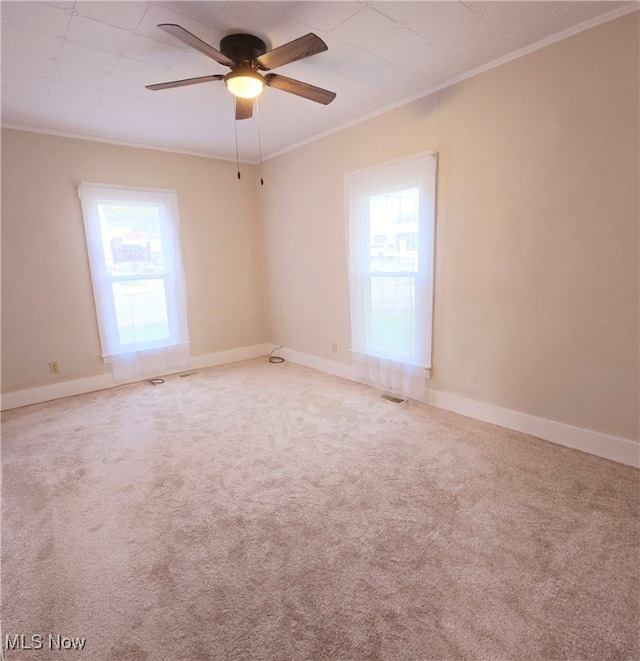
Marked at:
<point>334,347</point>
<point>54,367</point>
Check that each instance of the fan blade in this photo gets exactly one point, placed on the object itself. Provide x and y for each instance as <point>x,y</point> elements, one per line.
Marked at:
<point>186,81</point>
<point>305,90</point>
<point>244,108</point>
<point>297,49</point>
<point>191,40</point>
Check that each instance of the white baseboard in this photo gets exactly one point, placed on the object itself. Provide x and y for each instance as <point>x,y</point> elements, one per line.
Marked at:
<point>18,398</point>
<point>229,356</point>
<point>320,364</point>
<point>617,449</point>
<point>614,448</point>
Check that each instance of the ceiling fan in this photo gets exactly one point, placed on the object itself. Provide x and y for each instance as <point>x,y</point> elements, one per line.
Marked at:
<point>246,55</point>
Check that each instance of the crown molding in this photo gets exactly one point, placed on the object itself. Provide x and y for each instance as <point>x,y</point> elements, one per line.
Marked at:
<point>543,43</point>
<point>121,143</point>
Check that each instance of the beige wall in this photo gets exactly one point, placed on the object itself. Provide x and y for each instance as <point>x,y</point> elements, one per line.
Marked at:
<point>537,249</point>
<point>47,302</point>
<point>537,292</point>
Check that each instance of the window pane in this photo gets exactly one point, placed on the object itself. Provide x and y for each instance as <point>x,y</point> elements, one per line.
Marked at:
<point>131,238</point>
<point>392,314</point>
<point>393,231</point>
<point>141,311</point>
<point>391,223</point>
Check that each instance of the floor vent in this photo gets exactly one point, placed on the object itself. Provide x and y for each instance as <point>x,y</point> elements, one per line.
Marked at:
<point>391,398</point>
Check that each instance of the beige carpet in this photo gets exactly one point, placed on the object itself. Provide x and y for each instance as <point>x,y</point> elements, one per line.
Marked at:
<point>261,511</point>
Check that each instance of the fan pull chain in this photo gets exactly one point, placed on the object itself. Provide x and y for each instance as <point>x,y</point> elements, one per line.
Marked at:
<point>259,142</point>
<point>235,128</point>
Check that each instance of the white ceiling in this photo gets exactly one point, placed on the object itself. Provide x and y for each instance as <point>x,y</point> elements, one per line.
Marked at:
<point>80,68</point>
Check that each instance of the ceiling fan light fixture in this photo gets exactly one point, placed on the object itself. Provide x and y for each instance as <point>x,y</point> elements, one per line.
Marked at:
<point>244,83</point>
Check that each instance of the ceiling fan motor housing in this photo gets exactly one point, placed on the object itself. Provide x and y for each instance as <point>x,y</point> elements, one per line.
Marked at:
<point>242,47</point>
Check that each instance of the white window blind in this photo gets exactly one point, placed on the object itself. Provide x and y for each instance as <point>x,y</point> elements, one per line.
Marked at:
<point>133,240</point>
<point>391,225</point>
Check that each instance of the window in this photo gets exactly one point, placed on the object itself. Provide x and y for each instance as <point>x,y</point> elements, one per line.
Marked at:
<point>391,283</point>
<point>134,253</point>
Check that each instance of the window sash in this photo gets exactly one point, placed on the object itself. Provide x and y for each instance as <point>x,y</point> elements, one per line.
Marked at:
<point>95,196</point>
<point>418,171</point>
<point>116,328</point>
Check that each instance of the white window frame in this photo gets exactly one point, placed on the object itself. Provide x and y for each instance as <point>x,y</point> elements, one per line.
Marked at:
<point>165,201</point>
<point>419,170</point>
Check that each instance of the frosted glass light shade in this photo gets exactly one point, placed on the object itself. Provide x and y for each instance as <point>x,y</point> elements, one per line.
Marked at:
<point>246,84</point>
